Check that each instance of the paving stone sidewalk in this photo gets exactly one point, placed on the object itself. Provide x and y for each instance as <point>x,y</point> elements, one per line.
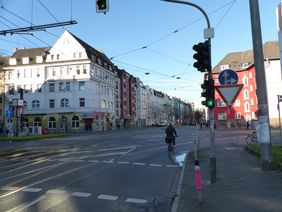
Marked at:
<point>241,184</point>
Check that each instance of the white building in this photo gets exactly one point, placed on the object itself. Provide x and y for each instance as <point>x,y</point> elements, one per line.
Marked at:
<point>70,86</point>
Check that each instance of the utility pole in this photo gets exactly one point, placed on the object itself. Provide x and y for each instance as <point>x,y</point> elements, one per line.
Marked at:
<point>208,34</point>
<point>263,132</point>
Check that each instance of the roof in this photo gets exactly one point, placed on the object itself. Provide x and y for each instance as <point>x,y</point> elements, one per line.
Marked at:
<point>92,51</point>
<point>241,60</point>
<point>20,53</point>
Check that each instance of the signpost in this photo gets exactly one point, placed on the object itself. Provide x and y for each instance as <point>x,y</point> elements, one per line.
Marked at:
<point>229,89</point>
<point>279,97</point>
<point>9,114</point>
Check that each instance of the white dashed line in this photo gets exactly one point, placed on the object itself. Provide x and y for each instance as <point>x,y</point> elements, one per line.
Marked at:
<point>141,164</point>
<point>107,161</point>
<point>77,160</point>
<point>107,197</point>
<point>122,162</point>
<point>156,165</point>
<point>58,192</point>
<point>133,200</point>
<point>172,166</point>
<point>93,161</point>
<point>32,189</point>
<point>81,194</point>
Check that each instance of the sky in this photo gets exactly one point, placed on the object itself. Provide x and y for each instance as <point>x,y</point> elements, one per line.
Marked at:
<point>150,39</point>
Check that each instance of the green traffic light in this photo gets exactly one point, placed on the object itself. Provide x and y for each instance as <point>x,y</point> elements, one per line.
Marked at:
<point>209,103</point>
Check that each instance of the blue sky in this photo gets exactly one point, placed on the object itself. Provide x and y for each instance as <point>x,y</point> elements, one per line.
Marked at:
<point>167,30</point>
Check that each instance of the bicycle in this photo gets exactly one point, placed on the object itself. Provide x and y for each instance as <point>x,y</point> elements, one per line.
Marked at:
<point>170,148</point>
<point>252,138</point>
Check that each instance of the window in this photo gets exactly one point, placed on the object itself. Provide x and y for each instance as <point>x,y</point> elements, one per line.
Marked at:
<point>67,86</point>
<point>246,82</point>
<point>11,89</point>
<point>81,85</point>
<point>237,103</point>
<point>37,122</point>
<point>39,89</point>
<point>222,116</point>
<point>18,73</point>
<point>53,72</point>
<point>52,103</point>
<point>52,123</point>
<point>75,122</point>
<point>223,67</point>
<point>58,56</point>
<point>252,101</point>
<point>221,104</point>
<point>74,55</point>
<point>251,88</point>
<point>81,102</point>
<point>61,86</point>
<point>84,69</point>
<point>247,107</point>
<point>103,104</point>
<point>35,104</point>
<point>246,94</point>
<point>52,87</point>
<point>250,75</point>
<point>79,54</point>
<point>78,69</point>
<point>52,57</point>
<point>25,104</point>
<point>25,60</point>
<point>237,115</point>
<point>64,103</point>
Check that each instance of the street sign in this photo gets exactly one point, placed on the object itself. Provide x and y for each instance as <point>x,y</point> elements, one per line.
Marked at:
<point>229,93</point>
<point>279,98</point>
<point>9,113</point>
<point>228,77</point>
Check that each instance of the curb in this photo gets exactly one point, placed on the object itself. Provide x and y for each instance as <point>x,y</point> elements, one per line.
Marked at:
<point>179,186</point>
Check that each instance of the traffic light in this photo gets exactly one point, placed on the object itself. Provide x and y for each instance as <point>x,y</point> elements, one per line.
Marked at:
<point>208,93</point>
<point>102,6</point>
<point>202,56</point>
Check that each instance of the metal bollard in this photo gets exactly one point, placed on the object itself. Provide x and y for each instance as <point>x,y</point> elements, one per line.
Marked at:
<point>198,180</point>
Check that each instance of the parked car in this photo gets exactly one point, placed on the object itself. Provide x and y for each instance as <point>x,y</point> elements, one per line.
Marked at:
<point>162,124</point>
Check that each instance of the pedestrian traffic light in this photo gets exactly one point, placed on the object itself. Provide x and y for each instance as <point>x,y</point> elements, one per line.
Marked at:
<point>102,6</point>
<point>202,56</point>
<point>208,93</point>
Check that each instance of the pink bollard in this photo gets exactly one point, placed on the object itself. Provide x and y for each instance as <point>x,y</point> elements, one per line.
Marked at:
<point>198,176</point>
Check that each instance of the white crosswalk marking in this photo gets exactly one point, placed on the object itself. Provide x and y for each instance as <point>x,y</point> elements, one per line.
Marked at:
<point>107,197</point>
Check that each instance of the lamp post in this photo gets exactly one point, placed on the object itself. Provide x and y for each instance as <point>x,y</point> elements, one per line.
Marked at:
<point>208,34</point>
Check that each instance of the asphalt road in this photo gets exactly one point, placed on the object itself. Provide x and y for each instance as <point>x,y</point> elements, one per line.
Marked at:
<point>125,170</point>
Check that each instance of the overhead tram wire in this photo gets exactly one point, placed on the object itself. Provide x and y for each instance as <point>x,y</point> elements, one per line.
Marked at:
<point>175,31</point>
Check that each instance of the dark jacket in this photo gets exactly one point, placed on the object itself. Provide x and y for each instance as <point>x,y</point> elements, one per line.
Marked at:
<point>170,131</point>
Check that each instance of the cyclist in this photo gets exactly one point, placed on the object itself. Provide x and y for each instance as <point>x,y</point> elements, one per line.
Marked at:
<point>170,134</point>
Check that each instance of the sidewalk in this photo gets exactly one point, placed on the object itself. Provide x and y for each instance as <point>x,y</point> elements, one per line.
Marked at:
<point>241,184</point>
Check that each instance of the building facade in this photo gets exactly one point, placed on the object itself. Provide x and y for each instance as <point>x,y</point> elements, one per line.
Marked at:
<point>246,104</point>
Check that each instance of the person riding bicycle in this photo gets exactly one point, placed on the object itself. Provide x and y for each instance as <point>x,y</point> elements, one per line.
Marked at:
<point>170,134</point>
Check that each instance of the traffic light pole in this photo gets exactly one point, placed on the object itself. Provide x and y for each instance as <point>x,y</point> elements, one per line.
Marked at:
<point>263,131</point>
<point>211,111</point>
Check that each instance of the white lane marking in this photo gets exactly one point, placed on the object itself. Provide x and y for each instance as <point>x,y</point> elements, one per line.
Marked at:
<point>10,188</point>
<point>108,197</point>
<point>133,200</point>
<point>109,154</point>
<point>24,206</point>
<point>81,194</point>
<point>142,164</point>
<point>93,161</point>
<point>32,189</point>
<point>171,166</point>
<point>54,191</point>
<point>129,151</point>
<point>107,161</point>
<point>123,162</point>
<point>156,165</point>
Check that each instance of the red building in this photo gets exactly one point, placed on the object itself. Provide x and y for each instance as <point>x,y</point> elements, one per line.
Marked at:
<point>127,98</point>
<point>245,105</point>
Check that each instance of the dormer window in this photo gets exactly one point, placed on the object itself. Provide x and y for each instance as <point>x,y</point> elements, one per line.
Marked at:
<point>25,60</point>
<point>39,59</point>
<point>13,61</point>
